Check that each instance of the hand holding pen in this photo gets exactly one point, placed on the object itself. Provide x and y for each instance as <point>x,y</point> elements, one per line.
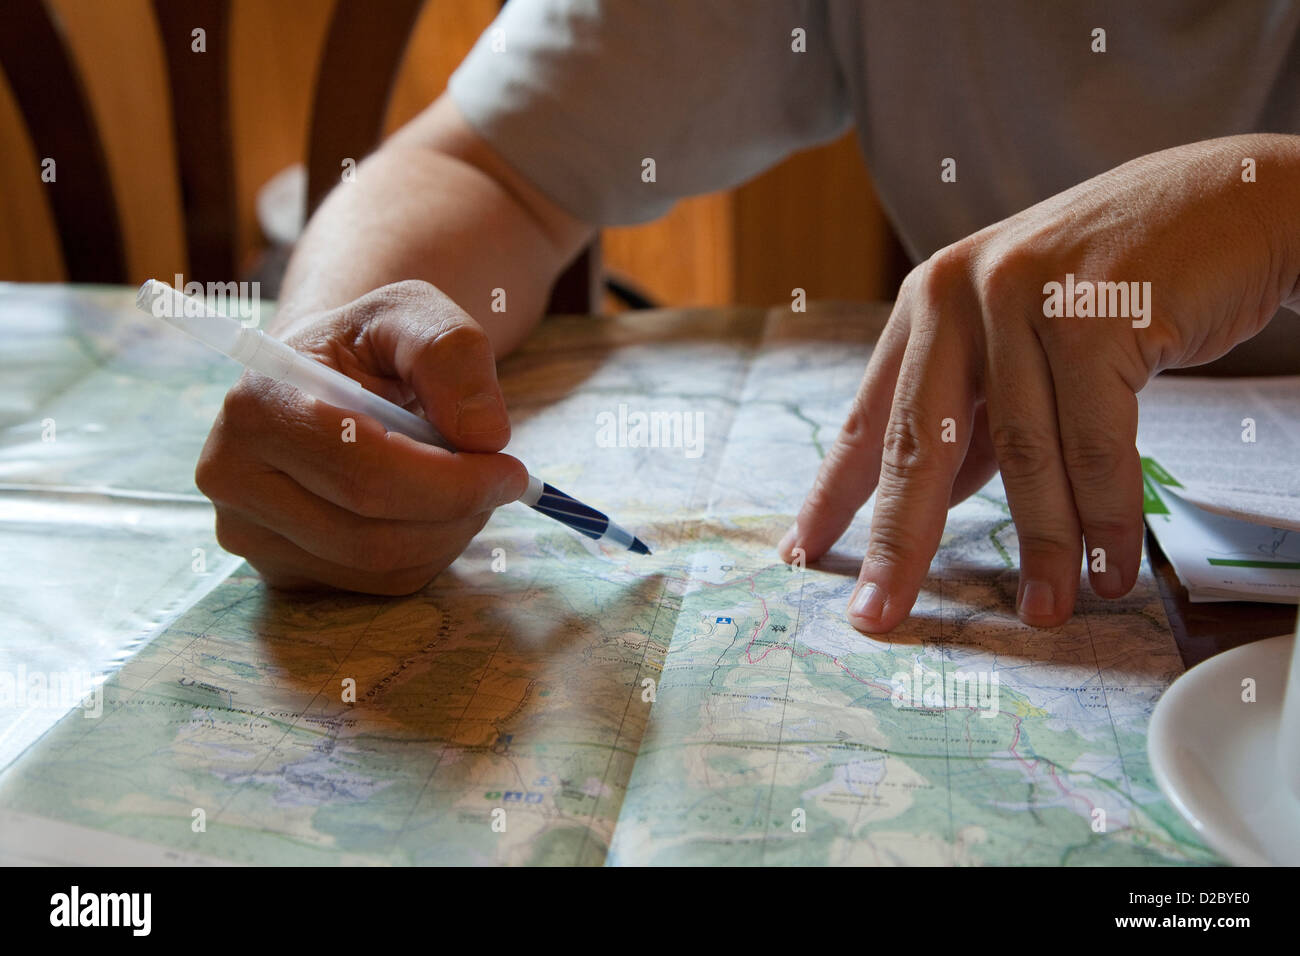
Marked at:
<point>385,520</point>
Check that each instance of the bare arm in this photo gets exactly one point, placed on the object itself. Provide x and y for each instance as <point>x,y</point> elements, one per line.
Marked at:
<point>392,284</point>
<point>436,203</point>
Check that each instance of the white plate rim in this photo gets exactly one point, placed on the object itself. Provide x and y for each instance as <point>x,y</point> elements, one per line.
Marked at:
<point>1162,739</point>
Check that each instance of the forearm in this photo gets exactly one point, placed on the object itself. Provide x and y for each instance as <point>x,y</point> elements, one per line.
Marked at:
<point>434,203</point>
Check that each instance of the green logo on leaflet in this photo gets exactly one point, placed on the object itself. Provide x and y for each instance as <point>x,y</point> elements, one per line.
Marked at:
<point>1156,472</point>
<point>1153,473</point>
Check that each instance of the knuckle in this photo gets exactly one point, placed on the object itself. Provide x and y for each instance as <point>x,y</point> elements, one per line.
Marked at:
<point>450,539</point>
<point>823,491</point>
<point>241,408</point>
<point>843,459</point>
<point>911,283</point>
<point>853,436</point>
<point>400,295</point>
<point>907,448</point>
<point>1108,531</point>
<point>946,271</point>
<point>479,522</point>
<point>1043,542</point>
<point>824,498</point>
<point>470,500</point>
<point>1092,458</point>
<point>350,488</point>
<point>892,544</point>
<point>1006,274</point>
<point>845,474</point>
<point>410,288</point>
<point>1022,453</point>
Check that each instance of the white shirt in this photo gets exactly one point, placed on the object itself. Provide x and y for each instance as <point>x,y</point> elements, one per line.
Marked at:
<point>578,94</point>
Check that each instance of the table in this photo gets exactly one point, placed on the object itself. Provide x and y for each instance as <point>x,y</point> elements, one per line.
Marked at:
<point>132,462</point>
<point>1203,630</point>
<point>36,367</point>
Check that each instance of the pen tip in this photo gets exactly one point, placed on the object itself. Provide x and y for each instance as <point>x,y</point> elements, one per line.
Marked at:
<point>638,546</point>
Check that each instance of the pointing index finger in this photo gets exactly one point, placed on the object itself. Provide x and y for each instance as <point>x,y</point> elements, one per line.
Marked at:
<point>848,475</point>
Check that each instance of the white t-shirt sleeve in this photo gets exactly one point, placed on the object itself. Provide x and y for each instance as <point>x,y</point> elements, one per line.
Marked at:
<point>578,94</point>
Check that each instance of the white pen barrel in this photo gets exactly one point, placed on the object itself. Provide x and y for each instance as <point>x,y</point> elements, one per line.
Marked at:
<point>533,493</point>
<point>330,385</point>
<point>191,315</point>
<point>282,363</point>
<point>316,380</point>
<point>278,361</point>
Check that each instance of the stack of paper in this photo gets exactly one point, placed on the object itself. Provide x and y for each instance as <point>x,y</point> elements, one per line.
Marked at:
<point>1221,467</point>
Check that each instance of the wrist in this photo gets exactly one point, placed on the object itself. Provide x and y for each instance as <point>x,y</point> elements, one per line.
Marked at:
<point>1276,168</point>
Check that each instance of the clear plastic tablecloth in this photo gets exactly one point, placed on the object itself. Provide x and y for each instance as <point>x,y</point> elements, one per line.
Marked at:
<point>104,538</point>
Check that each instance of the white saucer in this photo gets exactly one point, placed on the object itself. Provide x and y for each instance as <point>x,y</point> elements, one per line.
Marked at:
<point>1215,756</point>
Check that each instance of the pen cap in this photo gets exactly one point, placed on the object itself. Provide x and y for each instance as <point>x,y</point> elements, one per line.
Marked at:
<point>191,315</point>
<point>278,361</point>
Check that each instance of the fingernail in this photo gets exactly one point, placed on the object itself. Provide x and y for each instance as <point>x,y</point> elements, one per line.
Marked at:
<point>789,541</point>
<point>1037,600</point>
<point>480,415</point>
<point>868,602</point>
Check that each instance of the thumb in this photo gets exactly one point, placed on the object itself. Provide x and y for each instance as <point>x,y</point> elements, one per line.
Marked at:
<point>432,345</point>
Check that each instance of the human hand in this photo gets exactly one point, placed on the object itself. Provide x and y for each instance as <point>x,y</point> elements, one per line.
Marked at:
<point>983,366</point>
<point>380,513</point>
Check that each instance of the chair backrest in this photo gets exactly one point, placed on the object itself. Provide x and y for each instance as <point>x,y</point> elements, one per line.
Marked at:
<point>50,96</point>
<point>362,52</point>
<point>358,67</point>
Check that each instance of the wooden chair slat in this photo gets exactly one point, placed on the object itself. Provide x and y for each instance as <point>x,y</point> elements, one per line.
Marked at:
<point>577,291</point>
<point>200,90</point>
<point>363,52</point>
<point>52,99</point>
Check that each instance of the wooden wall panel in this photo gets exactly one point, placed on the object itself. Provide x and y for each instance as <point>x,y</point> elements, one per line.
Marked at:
<point>444,33</point>
<point>682,259</point>
<point>813,222</point>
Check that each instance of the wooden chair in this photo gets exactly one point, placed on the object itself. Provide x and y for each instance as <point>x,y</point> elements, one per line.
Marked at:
<point>361,56</point>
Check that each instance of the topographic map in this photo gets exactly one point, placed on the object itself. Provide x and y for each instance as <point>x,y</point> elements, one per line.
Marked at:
<point>544,702</point>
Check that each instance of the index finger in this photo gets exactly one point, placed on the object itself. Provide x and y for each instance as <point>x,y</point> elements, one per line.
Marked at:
<point>848,474</point>
<point>354,462</point>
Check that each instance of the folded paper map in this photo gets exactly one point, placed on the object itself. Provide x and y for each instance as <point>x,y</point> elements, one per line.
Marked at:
<point>544,702</point>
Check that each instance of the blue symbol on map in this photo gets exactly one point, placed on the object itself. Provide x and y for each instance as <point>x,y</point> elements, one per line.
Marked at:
<point>724,620</point>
